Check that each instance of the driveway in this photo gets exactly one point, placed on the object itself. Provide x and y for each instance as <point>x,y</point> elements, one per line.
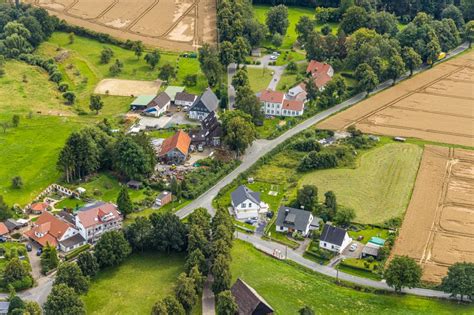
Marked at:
<point>35,261</point>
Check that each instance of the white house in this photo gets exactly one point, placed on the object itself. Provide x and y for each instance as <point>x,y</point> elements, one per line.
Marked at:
<point>184,99</point>
<point>247,204</point>
<point>159,105</point>
<point>334,238</point>
<point>290,220</point>
<point>95,220</point>
<point>204,105</point>
<point>276,103</point>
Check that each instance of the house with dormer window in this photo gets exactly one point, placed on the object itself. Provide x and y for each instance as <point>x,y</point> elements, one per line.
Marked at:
<point>94,220</point>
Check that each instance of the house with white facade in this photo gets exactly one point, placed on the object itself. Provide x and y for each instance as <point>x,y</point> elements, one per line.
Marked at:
<point>334,238</point>
<point>291,220</point>
<point>49,229</point>
<point>276,103</point>
<point>204,105</point>
<point>247,203</point>
<point>158,106</point>
<point>94,220</point>
<point>184,99</point>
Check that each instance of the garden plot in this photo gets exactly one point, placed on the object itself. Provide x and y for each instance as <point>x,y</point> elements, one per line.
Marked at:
<point>438,227</point>
<point>179,25</point>
<point>119,87</point>
<point>435,105</point>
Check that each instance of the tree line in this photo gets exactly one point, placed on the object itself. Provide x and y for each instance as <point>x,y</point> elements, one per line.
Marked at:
<point>97,148</point>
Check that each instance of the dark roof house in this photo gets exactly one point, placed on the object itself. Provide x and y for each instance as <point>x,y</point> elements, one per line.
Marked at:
<point>242,193</point>
<point>204,105</point>
<point>183,97</point>
<point>210,132</point>
<point>333,234</point>
<point>248,301</point>
<point>293,218</point>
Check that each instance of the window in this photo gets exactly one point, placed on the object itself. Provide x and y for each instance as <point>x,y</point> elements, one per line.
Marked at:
<point>244,205</point>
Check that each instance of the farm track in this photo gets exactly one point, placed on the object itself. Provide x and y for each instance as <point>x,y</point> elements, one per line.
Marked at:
<point>140,16</point>
<point>193,6</point>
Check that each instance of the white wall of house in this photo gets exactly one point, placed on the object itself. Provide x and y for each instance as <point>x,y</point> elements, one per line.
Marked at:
<point>183,103</point>
<point>246,210</point>
<point>69,232</point>
<point>291,113</point>
<point>336,248</point>
<point>197,115</point>
<point>270,108</point>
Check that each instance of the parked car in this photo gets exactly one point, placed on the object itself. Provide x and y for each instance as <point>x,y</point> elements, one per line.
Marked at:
<point>29,248</point>
<point>270,214</point>
<point>251,221</point>
<point>3,239</point>
<point>353,247</point>
<point>39,252</point>
<point>200,148</point>
<point>273,57</point>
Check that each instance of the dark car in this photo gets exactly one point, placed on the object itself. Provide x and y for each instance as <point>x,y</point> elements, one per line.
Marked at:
<point>270,214</point>
<point>29,247</point>
<point>39,252</point>
<point>3,239</point>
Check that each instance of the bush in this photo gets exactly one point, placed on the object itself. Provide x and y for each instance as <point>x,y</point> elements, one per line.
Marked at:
<point>76,252</point>
<point>318,160</point>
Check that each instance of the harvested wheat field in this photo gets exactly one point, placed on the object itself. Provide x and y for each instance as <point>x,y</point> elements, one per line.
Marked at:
<point>435,105</point>
<point>438,229</point>
<point>178,25</point>
<point>119,87</point>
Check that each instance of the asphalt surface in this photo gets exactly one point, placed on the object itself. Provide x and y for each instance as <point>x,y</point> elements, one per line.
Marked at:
<point>258,149</point>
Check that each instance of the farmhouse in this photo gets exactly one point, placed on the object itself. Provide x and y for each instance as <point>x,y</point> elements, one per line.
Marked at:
<point>246,203</point>
<point>175,149</point>
<point>248,301</point>
<point>141,102</point>
<point>204,105</point>
<point>171,91</point>
<point>184,99</point>
<point>38,207</point>
<point>334,238</point>
<point>275,103</point>
<point>321,73</point>
<point>210,132</point>
<point>52,230</point>
<point>293,220</point>
<point>93,221</point>
<point>158,106</point>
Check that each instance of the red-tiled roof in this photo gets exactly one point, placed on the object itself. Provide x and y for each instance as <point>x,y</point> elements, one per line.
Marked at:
<point>321,79</point>
<point>3,229</point>
<point>95,214</point>
<point>52,227</point>
<point>293,105</point>
<point>271,96</point>
<point>39,206</point>
<point>317,67</point>
<point>179,140</point>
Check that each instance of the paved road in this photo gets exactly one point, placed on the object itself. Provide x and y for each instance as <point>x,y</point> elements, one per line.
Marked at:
<point>269,247</point>
<point>261,147</point>
<point>208,299</point>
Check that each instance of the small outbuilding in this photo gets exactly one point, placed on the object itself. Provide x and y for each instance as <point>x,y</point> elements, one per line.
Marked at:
<point>172,90</point>
<point>370,249</point>
<point>141,102</point>
<point>248,301</point>
<point>133,184</point>
<point>4,306</point>
<point>38,207</point>
<point>164,198</point>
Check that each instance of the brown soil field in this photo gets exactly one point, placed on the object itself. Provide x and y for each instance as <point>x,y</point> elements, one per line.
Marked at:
<point>120,87</point>
<point>435,105</point>
<point>438,229</point>
<point>177,25</point>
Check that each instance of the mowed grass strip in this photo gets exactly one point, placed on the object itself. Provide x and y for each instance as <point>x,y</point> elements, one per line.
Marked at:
<point>135,285</point>
<point>379,188</point>
<point>288,287</point>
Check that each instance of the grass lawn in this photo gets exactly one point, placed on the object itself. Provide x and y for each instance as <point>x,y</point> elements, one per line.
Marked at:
<point>259,78</point>
<point>294,14</point>
<point>31,151</point>
<point>135,285</point>
<point>262,187</point>
<point>280,237</point>
<point>287,288</point>
<point>379,187</point>
<point>358,272</point>
<point>368,233</point>
<point>287,81</point>
<point>172,206</point>
<point>69,203</point>
<point>269,126</point>
<point>106,187</point>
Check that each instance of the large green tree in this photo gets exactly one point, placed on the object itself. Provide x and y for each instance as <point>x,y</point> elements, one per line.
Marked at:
<point>460,280</point>
<point>169,233</point>
<point>277,19</point>
<point>248,102</point>
<point>139,234</point>
<point>222,276</point>
<point>63,300</point>
<point>96,103</point>
<point>153,58</point>
<point>133,158</point>
<point>354,18</point>
<point>88,264</point>
<point>412,59</point>
<point>396,68</point>
<point>226,304</point>
<point>185,292</point>
<point>124,203</point>
<point>401,272</point>
<point>307,197</point>
<point>71,275</point>
<point>111,249</point>
<point>469,32</point>
<point>366,77</point>
<point>239,130</point>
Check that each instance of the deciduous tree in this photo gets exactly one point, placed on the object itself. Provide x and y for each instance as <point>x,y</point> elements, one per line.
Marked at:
<point>226,304</point>
<point>96,103</point>
<point>153,58</point>
<point>111,249</point>
<point>88,264</point>
<point>63,300</point>
<point>460,280</point>
<point>277,19</point>
<point>71,275</point>
<point>402,272</point>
